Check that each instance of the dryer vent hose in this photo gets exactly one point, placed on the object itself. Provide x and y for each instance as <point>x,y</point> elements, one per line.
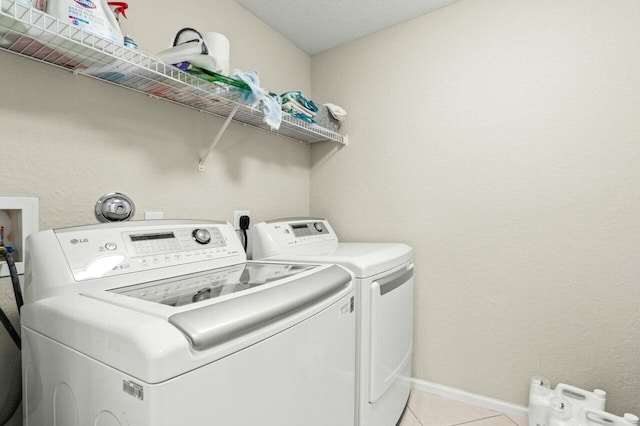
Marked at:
<point>14,392</point>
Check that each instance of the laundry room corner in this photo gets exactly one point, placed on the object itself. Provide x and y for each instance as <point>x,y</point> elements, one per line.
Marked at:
<point>500,140</point>
<point>347,214</point>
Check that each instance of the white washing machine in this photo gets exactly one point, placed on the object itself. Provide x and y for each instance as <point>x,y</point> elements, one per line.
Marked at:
<point>384,302</point>
<point>164,323</point>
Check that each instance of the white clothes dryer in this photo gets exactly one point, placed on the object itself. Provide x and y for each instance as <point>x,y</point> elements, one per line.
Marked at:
<point>164,323</point>
<point>384,303</point>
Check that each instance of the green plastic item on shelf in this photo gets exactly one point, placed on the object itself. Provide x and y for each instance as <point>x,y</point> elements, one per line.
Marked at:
<point>214,77</point>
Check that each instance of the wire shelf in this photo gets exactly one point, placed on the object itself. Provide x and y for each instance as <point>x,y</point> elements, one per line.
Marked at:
<point>34,34</point>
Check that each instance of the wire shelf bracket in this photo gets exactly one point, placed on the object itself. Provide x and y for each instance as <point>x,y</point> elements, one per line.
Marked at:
<point>217,138</point>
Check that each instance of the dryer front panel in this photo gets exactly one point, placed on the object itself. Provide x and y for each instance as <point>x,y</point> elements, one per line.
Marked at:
<point>391,329</point>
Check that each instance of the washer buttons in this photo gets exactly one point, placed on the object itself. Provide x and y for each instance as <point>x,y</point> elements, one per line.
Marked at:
<point>111,246</point>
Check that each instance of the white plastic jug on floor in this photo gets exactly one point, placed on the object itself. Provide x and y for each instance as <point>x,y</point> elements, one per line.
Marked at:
<point>592,417</point>
<point>561,412</point>
<point>540,395</point>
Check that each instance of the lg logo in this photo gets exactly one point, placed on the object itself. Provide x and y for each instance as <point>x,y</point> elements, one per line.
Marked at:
<point>79,240</point>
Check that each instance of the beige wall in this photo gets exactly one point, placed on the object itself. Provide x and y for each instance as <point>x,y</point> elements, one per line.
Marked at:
<point>70,139</point>
<point>501,139</point>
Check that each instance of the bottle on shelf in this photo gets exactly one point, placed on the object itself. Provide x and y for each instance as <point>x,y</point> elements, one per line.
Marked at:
<point>90,15</point>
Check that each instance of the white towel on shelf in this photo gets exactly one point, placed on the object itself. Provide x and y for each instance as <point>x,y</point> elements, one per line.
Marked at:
<point>336,111</point>
<point>296,106</point>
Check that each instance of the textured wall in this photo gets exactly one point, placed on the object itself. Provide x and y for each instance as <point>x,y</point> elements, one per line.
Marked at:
<point>70,139</point>
<point>501,139</point>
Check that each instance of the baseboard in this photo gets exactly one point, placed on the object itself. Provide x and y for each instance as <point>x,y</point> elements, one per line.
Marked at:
<point>470,398</point>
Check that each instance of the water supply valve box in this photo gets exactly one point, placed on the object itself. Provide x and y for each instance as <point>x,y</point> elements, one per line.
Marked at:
<point>18,218</point>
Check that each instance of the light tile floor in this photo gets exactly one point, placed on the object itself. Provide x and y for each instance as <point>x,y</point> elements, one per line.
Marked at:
<point>425,409</point>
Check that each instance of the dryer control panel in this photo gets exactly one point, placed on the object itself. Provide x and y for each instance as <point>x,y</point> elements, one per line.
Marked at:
<point>308,229</point>
<point>281,236</point>
<point>103,250</point>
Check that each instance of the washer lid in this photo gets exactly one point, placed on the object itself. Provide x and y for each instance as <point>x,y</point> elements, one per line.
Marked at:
<point>213,325</point>
<point>215,283</point>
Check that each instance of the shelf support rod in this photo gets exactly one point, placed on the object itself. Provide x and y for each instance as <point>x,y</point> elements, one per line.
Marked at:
<point>217,138</point>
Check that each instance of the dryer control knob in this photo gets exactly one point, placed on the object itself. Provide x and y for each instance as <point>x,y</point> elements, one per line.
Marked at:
<point>319,226</point>
<point>201,236</point>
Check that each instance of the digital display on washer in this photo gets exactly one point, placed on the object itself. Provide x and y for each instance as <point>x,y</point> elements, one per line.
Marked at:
<point>193,288</point>
<point>147,237</point>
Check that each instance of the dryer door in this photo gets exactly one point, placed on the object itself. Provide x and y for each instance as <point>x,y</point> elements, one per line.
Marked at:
<point>391,329</point>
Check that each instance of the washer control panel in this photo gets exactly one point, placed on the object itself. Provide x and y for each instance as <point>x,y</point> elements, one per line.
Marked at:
<point>150,243</point>
<point>95,252</point>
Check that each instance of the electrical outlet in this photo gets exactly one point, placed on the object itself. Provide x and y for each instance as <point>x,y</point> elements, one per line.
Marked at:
<point>236,217</point>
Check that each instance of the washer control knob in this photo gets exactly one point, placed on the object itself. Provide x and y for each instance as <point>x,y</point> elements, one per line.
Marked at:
<point>319,226</point>
<point>201,236</point>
